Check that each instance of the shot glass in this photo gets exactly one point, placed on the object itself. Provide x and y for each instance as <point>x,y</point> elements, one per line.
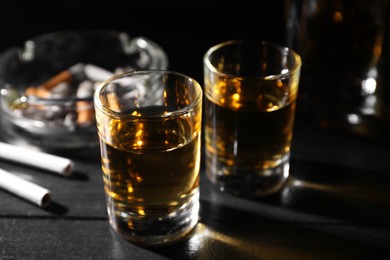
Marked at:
<point>149,127</point>
<point>251,89</point>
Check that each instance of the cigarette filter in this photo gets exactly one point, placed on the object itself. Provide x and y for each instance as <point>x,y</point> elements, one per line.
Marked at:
<point>66,76</point>
<point>85,112</point>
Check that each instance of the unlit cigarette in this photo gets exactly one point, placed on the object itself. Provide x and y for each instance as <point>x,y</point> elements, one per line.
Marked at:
<point>57,164</point>
<point>24,189</point>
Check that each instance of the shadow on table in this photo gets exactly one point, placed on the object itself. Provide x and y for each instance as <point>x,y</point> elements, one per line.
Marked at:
<point>343,193</point>
<point>56,209</point>
<point>226,233</point>
<point>292,225</point>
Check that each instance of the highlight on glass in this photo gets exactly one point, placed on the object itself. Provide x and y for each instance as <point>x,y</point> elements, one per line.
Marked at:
<point>149,125</point>
<point>251,87</point>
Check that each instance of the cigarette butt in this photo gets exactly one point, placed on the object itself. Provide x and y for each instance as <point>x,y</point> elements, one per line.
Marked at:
<point>85,112</point>
<point>61,90</point>
<point>66,76</point>
<point>22,155</point>
<point>113,102</point>
<point>37,92</point>
<point>25,189</point>
<point>44,90</point>
<point>96,73</point>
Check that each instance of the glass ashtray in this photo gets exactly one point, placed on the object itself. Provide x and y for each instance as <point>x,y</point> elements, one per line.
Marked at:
<point>47,85</point>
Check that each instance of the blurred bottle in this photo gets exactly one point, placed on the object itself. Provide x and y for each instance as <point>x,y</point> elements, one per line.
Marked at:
<point>342,80</point>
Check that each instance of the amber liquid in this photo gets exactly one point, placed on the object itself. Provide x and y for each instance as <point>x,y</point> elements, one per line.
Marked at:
<point>248,133</point>
<point>150,171</point>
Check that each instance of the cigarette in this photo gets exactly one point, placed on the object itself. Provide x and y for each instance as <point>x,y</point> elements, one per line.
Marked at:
<point>42,160</point>
<point>25,189</point>
<point>96,73</point>
<point>85,112</point>
<point>67,76</point>
<point>113,102</point>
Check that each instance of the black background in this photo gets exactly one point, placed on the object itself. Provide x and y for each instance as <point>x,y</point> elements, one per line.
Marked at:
<point>183,29</point>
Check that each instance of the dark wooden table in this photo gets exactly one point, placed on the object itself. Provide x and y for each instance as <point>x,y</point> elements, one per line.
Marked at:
<point>336,204</point>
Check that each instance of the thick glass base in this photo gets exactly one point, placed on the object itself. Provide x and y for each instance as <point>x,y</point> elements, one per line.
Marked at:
<point>251,184</point>
<point>156,229</point>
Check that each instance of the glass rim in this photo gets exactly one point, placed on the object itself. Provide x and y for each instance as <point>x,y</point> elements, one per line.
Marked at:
<point>281,48</point>
<point>195,84</point>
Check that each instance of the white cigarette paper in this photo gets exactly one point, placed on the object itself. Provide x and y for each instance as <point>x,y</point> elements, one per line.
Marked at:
<point>50,162</point>
<point>24,189</point>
